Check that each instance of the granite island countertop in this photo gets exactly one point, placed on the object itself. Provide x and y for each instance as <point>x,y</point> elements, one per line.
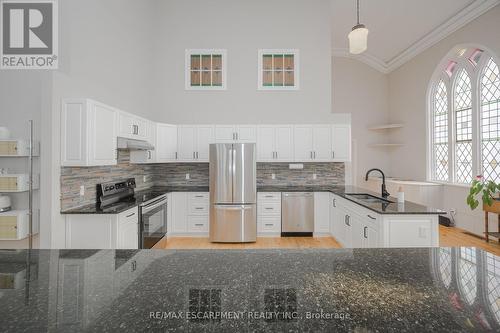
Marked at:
<point>313,290</point>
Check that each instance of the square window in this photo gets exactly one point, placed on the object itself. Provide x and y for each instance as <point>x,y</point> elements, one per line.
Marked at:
<point>278,69</point>
<point>205,69</point>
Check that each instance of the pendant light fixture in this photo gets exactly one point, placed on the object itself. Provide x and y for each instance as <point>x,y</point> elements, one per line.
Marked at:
<point>358,37</point>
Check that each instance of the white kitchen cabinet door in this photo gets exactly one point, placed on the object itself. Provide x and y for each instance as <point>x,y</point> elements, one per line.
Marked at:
<point>88,133</point>
<point>126,125</point>
<point>357,231</point>
<point>284,143</point>
<point>186,143</point>
<point>370,236</point>
<point>132,127</point>
<point>225,133</point>
<point>303,143</point>
<point>246,133</point>
<point>341,143</point>
<point>166,143</point>
<point>322,212</point>
<point>265,143</point>
<point>322,143</point>
<point>128,230</point>
<point>147,156</point>
<point>205,135</point>
<point>102,135</point>
<point>179,213</point>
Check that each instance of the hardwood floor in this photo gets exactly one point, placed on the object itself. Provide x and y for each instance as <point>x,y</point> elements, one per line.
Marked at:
<point>448,237</point>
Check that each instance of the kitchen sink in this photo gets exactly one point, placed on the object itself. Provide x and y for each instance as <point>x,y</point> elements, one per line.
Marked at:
<point>368,198</point>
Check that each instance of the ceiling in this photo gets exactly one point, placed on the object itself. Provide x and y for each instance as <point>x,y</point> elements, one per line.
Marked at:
<point>400,29</point>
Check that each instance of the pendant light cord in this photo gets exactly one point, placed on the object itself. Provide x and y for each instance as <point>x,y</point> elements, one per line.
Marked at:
<point>357,11</point>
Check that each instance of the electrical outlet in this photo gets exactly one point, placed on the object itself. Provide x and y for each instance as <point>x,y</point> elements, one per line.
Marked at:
<point>273,176</point>
<point>82,190</point>
<point>315,176</point>
<point>188,176</point>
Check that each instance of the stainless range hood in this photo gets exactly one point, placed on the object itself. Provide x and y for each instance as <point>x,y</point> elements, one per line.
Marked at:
<point>131,144</point>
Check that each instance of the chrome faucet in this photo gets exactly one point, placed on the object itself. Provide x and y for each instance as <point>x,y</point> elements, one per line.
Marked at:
<point>385,194</point>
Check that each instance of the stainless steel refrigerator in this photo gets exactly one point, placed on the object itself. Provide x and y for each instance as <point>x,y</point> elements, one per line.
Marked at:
<point>233,192</point>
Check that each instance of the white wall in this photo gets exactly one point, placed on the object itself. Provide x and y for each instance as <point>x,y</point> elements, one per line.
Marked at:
<point>407,104</point>
<point>363,92</point>
<point>242,27</point>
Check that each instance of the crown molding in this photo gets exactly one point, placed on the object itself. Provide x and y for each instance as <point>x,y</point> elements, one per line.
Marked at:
<point>366,58</point>
<point>466,15</point>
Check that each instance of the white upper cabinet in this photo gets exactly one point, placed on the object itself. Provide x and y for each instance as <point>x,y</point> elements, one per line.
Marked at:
<point>205,135</point>
<point>132,127</point>
<point>274,143</point>
<point>166,143</point>
<point>303,138</point>
<point>341,143</point>
<point>322,143</point>
<point>193,142</point>
<point>235,133</point>
<point>88,133</point>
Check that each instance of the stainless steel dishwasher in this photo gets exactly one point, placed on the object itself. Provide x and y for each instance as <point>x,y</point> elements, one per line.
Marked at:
<point>297,213</point>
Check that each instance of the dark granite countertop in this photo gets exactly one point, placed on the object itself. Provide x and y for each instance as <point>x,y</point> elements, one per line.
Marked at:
<point>139,197</point>
<point>313,290</point>
<point>385,208</point>
<point>408,207</point>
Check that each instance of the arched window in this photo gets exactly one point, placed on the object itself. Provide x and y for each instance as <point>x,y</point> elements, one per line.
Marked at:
<point>440,122</point>
<point>490,121</point>
<point>465,118</point>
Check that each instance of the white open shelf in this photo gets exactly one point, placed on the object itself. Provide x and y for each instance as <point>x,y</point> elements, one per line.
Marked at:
<point>385,127</point>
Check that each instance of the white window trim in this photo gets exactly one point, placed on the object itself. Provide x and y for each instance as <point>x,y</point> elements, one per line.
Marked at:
<point>475,74</point>
<point>187,68</point>
<point>296,70</point>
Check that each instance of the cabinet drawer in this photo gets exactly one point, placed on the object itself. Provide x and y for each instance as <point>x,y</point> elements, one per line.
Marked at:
<point>269,196</point>
<point>198,196</point>
<point>269,224</point>
<point>198,208</point>
<point>198,224</point>
<point>269,208</point>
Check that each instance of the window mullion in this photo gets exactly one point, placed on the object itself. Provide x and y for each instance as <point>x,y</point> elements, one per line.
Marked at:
<point>451,132</point>
<point>476,141</point>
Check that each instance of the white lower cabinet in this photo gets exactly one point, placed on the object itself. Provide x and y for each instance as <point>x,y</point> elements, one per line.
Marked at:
<point>354,226</point>
<point>103,231</point>
<point>269,213</point>
<point>321,213</point>
<point>189,213</point>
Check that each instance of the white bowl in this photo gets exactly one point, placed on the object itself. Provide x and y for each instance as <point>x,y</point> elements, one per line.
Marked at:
<point>4,201</point>
<point>4,133</point>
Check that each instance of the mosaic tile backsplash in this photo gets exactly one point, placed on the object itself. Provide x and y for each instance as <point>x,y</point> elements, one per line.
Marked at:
<point>174,174</point>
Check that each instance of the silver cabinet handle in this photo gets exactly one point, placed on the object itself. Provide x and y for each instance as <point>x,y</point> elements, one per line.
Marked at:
<point>311,155</point>
<point>199,196</point>
<point>199,208</point>
<point>269,208</point>
<point>269,225</point>
<point>199,224</point>
<point>130,215</point>
<point>269,196</point>
<point>276,155</point>
<point>197,155</point>
<point>149,154</point>
<point>365,229</point>
<point>373,218</point>
<point>333,154</point>
<point>194,155</point>
<point>334,202</point>
<point>347,220</point>
<point>175,155</point>
<point>234,137</point>
<point>314,155</point>
<point>237,136</point>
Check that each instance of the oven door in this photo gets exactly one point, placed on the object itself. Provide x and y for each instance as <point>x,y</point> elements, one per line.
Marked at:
<point>153,222</point>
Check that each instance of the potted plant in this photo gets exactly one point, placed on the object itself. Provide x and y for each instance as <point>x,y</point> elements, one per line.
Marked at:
<point>489,196</point>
